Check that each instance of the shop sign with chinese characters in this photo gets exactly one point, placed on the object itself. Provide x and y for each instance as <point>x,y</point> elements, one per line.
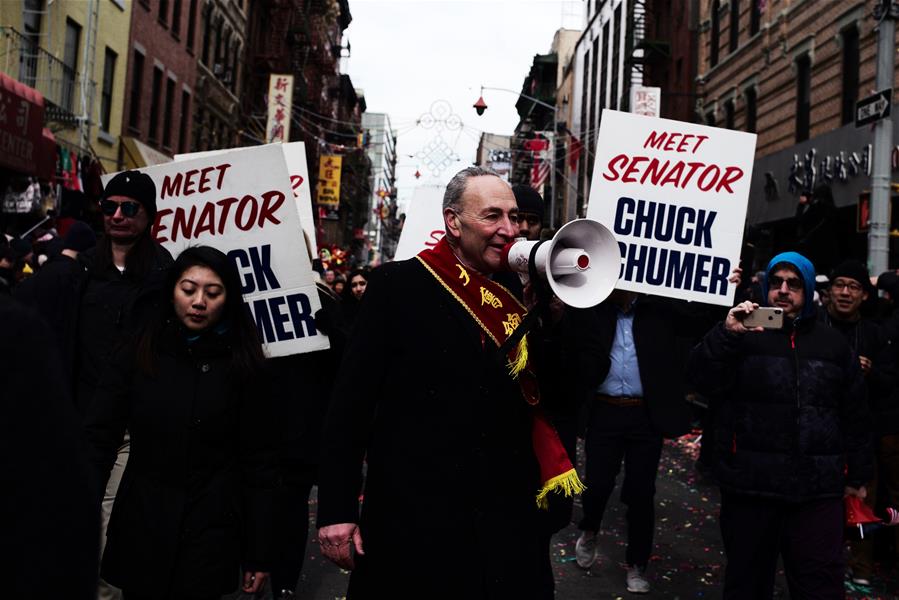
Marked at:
<point>329,180</point>
<point>280,98</point>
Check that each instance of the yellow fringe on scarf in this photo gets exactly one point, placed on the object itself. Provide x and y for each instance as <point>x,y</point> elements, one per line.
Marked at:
<point>517,364</point>
<point>568,484</point>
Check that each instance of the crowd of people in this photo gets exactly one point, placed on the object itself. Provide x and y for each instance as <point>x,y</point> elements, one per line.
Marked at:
<point>169,458</point>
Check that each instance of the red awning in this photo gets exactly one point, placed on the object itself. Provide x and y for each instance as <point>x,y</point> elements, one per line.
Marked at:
<point>22,144</point>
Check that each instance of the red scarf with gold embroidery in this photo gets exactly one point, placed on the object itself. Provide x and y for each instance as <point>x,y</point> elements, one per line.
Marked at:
<point>498,313</point>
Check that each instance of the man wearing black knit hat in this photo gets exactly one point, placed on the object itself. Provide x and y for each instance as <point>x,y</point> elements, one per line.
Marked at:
<point>530,211</point>
<point>120,293</point>
<point>850,288</point>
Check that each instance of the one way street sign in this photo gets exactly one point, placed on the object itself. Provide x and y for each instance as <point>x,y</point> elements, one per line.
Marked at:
<point>873,108</point>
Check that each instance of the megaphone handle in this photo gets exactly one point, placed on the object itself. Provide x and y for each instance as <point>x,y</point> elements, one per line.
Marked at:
<point>542,302</point>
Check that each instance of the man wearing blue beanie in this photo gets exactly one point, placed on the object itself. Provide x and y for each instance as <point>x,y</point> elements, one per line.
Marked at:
<point>792,438</point>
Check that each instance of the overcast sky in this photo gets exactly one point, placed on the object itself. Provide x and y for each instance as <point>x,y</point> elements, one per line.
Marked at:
<point>408,54</point>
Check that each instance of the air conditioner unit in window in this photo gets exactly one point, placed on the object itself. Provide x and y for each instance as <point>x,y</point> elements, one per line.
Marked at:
<point>218,69</point>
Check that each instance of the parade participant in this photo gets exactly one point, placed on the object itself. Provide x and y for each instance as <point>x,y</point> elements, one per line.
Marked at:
<point>117,295</point>
<point>48,515</point>
<point>530,211</point>
<point>456,452</point>
<point>562,403</point>
<point>302,410</point>
<point>196,499</point>
<point>635,392</point>
<point>792,438</point>
<point>53,290</point>
<point>850,286</point>
<point>352,295</point>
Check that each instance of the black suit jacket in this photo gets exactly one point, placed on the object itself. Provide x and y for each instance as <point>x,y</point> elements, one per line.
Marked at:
<point>663,330</point>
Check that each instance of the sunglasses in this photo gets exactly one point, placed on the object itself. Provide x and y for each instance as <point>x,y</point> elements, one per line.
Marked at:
<point>793,283</point>
<point>129,209</point>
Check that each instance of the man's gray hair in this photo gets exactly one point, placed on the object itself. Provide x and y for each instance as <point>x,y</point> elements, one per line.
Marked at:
<point>456,187</point>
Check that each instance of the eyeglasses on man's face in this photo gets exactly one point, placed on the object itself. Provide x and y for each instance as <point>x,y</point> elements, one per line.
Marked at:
<point>841,284</point>
<point>794,284</point>
<point>129,208</point>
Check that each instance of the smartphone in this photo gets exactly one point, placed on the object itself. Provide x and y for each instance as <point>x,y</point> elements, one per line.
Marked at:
<point>765,316</point>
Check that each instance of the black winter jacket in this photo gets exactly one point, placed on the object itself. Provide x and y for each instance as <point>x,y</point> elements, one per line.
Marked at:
<point>54,293</point>
<point>793,422</point>
<point>869,339</point>
<point>195,502</point>
<point>112,307</point>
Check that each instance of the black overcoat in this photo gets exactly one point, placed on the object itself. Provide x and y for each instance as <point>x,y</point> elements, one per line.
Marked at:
<point>449,499</point>
<point>195,502</point>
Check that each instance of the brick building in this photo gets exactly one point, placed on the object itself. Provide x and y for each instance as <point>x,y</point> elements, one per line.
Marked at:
<point>220,65</point>
<point>160,84</point>
<point>629,43</point>
<point>792,71</point>
<point>305,38</point>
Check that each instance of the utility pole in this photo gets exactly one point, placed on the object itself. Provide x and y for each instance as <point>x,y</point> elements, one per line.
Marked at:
<point>886,11</point>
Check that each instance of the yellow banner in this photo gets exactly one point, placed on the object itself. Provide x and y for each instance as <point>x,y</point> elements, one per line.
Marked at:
<point>329,180</point>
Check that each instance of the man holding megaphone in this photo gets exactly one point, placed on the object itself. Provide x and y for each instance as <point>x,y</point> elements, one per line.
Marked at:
<point>443,401</point>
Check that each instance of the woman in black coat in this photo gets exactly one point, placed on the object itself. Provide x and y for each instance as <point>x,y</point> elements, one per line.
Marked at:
<point>195,502</point>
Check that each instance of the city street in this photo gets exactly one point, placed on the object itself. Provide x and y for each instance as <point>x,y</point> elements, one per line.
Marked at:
<point>688,561</point>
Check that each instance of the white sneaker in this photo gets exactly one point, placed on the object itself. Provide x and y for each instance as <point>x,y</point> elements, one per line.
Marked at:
<point>585,550</point>
<point>636,580</point>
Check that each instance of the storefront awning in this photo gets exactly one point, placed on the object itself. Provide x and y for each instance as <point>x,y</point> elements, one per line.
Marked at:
<point>139,155</point>
<point>21,125</point>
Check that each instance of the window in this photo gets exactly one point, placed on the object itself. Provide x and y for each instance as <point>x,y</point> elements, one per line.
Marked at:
<point>755,17</point>
<point>217,55</point>
<point>106,94</point>
<point>176,18</point>
<point>714,38</point>
<point>710,118</point>
<point>803,96</point>
<point>163,12</point>
<point>167,115</point>
<point>850,73</point>
<point>234,65</point>
<point>751,109</point>
<point>70,60</point>
<point>603,76</point>
<point>729,114</point>
<point>28,58</point>
<point>616,45</point>
<point>184,121</point>
<point>198,130</point>
<point>137,79</point>
<point>734,25</point>
<point>155,92</point>
<point>595,103</point>
<point>191,24</point>
<point>207,35</point>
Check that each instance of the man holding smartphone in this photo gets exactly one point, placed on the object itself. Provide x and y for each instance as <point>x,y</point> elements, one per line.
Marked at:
<point>792,438</point>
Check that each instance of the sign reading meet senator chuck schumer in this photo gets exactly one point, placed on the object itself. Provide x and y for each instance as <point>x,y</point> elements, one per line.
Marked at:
<point>241,202</point>
<point>675,196</point>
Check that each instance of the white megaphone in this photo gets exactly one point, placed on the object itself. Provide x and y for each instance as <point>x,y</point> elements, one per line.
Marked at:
<point>581,262</point>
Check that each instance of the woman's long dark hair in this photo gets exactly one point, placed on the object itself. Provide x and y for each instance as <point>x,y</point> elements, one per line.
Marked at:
<point>246,349</point>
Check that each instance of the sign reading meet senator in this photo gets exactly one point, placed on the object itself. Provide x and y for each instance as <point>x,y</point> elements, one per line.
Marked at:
<point>675,196</point>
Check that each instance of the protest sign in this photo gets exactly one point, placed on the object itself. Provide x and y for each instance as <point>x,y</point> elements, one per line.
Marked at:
<point>424,222</point>
<point>298,169</point>
<point>239,203</point>
<point>675,196</point>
